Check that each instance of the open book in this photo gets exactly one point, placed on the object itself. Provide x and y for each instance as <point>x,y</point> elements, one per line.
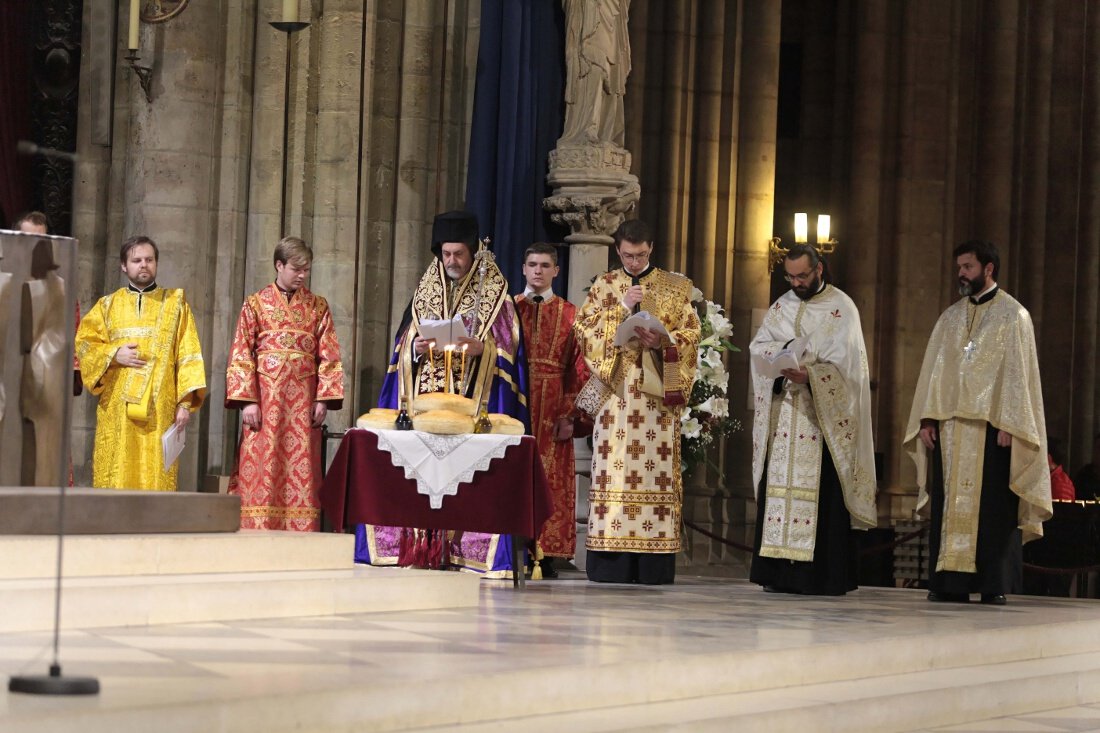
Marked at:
<point>644,319</point>
<point>789,357</point>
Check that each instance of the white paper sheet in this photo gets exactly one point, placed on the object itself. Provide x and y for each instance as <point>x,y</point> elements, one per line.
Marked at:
<point>644,319</point>
<point>172,443</point>
<point>444,332</point>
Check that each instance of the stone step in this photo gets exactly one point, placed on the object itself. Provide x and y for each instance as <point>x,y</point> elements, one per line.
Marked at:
<point>244,551</point>
<point>890,704</point>
<point>138,600</point>
<point>34,510</point>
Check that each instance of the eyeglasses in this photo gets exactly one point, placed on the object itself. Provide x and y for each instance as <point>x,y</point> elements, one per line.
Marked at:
<point>634,258</point>
<point>803,278</point>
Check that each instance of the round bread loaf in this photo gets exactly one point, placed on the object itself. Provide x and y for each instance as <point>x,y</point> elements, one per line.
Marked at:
<point>379,418</point>
<point>443,422</point>
<point>444,401</point>
<point>505,424</point>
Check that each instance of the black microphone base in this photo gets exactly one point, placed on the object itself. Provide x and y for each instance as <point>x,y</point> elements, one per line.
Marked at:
<point>53,683</point>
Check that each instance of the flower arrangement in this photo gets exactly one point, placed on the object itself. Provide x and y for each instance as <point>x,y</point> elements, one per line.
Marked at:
<point>706,417</point>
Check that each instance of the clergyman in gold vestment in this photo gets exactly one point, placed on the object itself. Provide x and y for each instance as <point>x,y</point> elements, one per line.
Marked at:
<point>635,397</point>
<point>978,437</point>
<point>139,354</point>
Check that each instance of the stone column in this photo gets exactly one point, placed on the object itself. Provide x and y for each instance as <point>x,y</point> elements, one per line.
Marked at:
<point>754,224</point>
<point>1085,405</point>
<point>173,157</point>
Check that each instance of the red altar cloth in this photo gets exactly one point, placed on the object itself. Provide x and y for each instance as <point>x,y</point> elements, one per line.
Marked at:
<point>363,486</point>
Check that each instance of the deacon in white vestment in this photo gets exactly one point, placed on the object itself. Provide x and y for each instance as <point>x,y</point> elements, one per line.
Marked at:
<point>978,437</point>
<point>813,460</point>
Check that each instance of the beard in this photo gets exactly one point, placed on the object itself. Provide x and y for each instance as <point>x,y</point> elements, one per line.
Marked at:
<point>142,279</point>
<point>455,273</point>
<point>807,290</point>
<point>972,287</point>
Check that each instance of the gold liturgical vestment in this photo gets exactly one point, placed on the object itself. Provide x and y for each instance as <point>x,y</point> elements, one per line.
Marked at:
<point>981,367</point>
<point>635,397</point>
<point>136,405</point>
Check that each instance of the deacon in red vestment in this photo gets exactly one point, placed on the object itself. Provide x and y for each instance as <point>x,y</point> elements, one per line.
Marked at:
<point>556,372</point>
<point>284,374</point>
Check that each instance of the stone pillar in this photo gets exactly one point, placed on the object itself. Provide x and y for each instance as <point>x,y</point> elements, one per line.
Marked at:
<point>1085,406</point>
<point>173,156</point>
<point>754,221</point>
<point>334,189</point>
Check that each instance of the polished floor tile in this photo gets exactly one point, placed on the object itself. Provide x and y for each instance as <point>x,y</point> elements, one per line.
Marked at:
<point>555,625</point>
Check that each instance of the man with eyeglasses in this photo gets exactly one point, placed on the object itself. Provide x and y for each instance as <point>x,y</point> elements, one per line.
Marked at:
<point>635,397</point>
<point>813,462</point>
<point>978,437</point>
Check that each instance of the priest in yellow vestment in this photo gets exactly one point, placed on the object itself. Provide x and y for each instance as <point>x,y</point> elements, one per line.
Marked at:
<point>978,437</point>
<point>140,355</point>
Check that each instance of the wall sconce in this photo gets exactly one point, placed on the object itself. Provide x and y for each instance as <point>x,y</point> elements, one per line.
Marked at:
<point>160,11</point>
<point>133,43</point>
<point>825,245</point>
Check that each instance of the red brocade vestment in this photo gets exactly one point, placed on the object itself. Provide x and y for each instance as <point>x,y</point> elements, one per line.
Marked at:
<point>556,372</point>
<point>285,356</point>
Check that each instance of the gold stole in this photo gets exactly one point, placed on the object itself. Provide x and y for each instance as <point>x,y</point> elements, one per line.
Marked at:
<point>793,477</point>
<point>962,445</point>
<point>140,384</point>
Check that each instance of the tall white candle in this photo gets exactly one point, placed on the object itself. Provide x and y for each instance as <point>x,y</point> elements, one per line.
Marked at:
<point>800,228</point>
<point>290,11</point>
<point>822,228</point>
<point>135,17</point>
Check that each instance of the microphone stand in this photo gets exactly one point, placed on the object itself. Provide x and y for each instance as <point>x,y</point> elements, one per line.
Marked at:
<point>56,683</point>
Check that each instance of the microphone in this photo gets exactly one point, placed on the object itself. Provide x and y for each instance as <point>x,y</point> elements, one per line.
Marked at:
<point>26,147</point>
<point>635,281</point>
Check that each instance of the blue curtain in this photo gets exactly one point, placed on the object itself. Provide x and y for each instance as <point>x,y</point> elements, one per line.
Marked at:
<point>518,115</point>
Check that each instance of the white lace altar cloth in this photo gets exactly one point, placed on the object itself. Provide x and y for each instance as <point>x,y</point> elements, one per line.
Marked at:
<point>439,463</point>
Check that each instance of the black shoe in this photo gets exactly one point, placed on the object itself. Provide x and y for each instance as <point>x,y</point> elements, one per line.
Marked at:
<point>777,589</point>
<point>548,571</point>
<point>938,597</point>
<point>994,599</point>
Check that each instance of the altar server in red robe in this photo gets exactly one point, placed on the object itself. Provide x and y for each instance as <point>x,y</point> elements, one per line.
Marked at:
<point>556,372</point>
<point>284,375</point>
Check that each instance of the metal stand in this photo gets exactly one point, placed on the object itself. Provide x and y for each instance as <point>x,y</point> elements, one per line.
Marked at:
<point>56,683</point>
<point>144,75</point>
<point>288,28</point>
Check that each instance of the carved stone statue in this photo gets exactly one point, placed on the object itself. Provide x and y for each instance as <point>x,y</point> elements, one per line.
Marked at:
<point>593,188</point>
<point>45,368</point>
<point>597,60</point>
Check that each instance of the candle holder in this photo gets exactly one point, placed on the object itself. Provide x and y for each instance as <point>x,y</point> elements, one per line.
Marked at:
<point>825,245</point>
<point>144,74</point>
<point>289,28</point>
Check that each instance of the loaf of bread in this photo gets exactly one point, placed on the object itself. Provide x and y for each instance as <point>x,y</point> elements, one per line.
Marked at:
<point>379,418</point>
<point>505,424</point>
<point>444,401</point>
<point>443,422</point>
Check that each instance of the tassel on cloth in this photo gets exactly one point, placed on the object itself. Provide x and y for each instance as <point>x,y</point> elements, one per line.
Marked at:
<point>536,556</point>
<point>404,548</point>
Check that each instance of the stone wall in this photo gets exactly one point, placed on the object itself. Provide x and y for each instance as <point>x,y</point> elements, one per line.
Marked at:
<point>375,147</point>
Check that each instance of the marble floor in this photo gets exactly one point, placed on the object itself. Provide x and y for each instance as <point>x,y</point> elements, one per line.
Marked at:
<point>523,654</point>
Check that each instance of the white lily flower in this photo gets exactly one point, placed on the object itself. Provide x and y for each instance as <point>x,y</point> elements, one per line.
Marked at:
<point>690,428</point>
<point>696,294</point>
